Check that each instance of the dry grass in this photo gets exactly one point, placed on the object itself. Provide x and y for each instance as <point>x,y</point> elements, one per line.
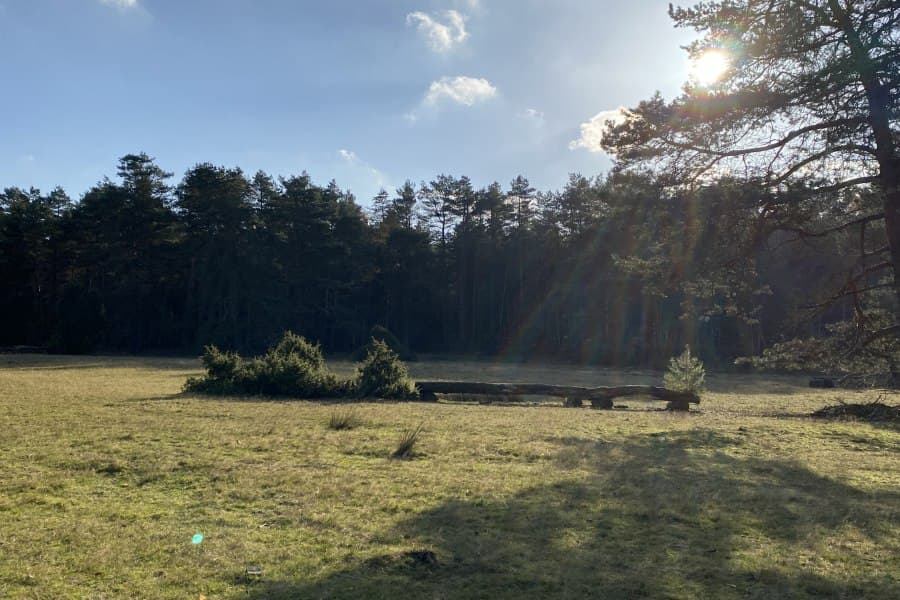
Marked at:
<point>108,471</point>
<point>344,419</point>
<point>406,447</point>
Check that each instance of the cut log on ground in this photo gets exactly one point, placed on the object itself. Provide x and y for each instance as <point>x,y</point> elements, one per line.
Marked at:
<point>600,397</point>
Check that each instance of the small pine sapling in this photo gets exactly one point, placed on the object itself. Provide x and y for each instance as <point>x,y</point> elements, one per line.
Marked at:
<point>685,373</point>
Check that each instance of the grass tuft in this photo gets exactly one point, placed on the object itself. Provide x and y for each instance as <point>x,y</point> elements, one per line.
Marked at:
<point>344,419</point>
<point>406,447</point>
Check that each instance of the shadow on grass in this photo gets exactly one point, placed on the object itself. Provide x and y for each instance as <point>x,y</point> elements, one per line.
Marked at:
<point>62,362</point>
<point>669,515</point>
<point>38,366</point>
<point>157,398</point>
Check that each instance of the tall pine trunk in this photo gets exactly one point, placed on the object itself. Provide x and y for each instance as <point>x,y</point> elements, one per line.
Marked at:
<point>879,104</point>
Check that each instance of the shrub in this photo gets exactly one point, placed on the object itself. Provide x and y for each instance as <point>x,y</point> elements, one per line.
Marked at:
<point>221,365</point>
<point>407,443</point>
<point>383,375</point>
<point>293,367</point>
<point>685,373</point>
<point>223,369</point>
<point>291,343</point>
<point>277,374</point>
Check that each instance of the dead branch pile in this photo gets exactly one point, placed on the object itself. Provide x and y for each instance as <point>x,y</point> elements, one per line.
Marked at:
<point>873,411</point>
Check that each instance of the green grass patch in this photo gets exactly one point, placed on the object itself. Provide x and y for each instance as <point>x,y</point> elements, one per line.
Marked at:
<point>109,471</point>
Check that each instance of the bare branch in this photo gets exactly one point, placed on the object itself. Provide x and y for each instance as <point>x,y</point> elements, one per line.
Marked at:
<point>803,233</point>
<point>833,299</point>
<point>877,251</point>
<point>819,155</point>
<point>772,146</point>
<point>845,184</point>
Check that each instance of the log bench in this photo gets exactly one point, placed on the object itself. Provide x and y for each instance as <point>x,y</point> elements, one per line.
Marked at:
<point>599,397</point>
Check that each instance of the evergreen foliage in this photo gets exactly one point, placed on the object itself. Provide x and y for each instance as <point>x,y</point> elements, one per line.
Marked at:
<point>80,321</point>
<point>841,353</point>
<point>685,373</point>
<point>293,367</point>
<point>293,344</point>
<point>809,163</point>
<point>296,368</point>
<point>383,375</point>
<point>292,375</point>
<point>138,265</point>
<point>224,373</point>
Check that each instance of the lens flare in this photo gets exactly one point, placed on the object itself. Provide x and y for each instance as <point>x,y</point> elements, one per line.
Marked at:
<point>709,67</point>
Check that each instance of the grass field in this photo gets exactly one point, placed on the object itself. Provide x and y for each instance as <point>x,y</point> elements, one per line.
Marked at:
<point>108,471</point>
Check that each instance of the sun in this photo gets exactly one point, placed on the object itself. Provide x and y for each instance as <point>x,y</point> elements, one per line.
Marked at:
<point>709,67</point>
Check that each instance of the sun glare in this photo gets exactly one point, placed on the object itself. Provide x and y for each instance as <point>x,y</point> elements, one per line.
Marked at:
<point>709,67</point>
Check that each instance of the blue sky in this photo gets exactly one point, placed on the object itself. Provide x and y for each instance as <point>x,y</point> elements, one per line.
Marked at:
<point>368,92</point>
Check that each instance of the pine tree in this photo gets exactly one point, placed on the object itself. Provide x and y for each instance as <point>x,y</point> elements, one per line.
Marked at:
<point>685,373</point>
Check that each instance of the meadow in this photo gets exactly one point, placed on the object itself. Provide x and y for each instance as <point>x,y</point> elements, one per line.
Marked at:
<point>109,471</point>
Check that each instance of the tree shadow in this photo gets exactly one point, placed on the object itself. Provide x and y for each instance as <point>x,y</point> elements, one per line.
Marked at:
<point>37,366</point>
<point>156,398</point>
<point>62,362</point>
<point>667,515</point>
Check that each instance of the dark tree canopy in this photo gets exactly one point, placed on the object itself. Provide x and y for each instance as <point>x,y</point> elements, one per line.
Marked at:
<point>806,115</point>
<point>146,264</point>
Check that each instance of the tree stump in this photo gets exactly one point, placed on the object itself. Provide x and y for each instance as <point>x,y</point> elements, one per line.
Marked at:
<point>678,405</point>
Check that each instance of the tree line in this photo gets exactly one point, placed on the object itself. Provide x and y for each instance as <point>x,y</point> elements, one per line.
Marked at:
<point>615,269</point>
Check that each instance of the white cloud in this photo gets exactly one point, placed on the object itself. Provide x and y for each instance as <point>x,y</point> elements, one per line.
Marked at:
<point>532,114</point>
<point>591,138</point>
<point>461,90</point>
<point>120,4</point>
<point>441,36</point>
<point>352,159</point>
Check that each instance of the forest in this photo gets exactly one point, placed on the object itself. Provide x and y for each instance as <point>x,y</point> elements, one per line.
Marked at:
<point>613,269</point>
<point>755,218</point>
<point>675,378</point>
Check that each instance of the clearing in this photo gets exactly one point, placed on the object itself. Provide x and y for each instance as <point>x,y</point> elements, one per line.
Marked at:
<point>109,472</point>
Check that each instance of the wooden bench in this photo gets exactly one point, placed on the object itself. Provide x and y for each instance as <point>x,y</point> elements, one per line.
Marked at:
<point>599,397</point>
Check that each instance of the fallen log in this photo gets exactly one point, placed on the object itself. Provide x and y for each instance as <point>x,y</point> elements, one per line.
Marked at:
<point>600,397</point>
<point>821,382</point>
